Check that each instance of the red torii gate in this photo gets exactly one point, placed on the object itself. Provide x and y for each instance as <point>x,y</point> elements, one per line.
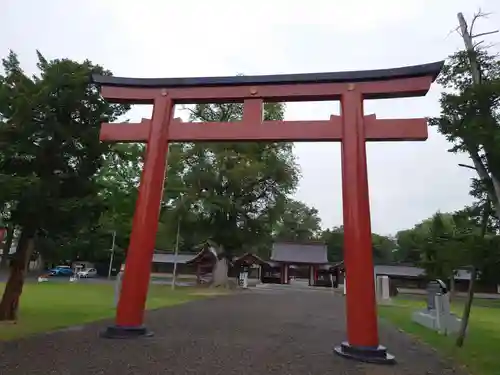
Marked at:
<point>352,129</point>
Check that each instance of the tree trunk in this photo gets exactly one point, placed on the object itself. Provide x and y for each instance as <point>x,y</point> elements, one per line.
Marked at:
<point>14,287</point>
<point>467,309</point>
<point>6,247</point>
<point>473,275</point>
<point>494,196</point>
<point>219,274</point>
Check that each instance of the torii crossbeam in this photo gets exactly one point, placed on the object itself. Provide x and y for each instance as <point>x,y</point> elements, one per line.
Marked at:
<point>352,128</point>
<point>269,131</point>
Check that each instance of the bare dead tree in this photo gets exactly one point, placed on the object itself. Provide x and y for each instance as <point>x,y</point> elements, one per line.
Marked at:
<point>471,46</point>
<point>468,36</point>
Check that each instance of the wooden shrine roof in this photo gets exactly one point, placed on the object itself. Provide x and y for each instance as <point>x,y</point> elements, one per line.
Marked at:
<point>206,251</point>
<point>171,257</point>
<point>253,258</point>
<point>310,253</point>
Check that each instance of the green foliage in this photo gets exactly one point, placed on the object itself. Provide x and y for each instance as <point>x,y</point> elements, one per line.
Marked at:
<point>334,239</point>
<point>119,180</point>
<point>450,241</point>
<point>469,112</point>
<point>383,246</point>
<point>408,246</point>
<point>470,115</point>
<point>481,240</point>
<point>298,223</point>
<point>50,148</point>
<point>470,121</point>
<point>437,244</point>
<point>231,193</point>
<point>442,246</point>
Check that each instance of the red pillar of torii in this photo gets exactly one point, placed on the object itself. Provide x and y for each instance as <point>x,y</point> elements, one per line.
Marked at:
<point>352,128</point>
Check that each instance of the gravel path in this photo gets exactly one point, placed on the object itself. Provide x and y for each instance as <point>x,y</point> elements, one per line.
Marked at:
<point>253,333</point>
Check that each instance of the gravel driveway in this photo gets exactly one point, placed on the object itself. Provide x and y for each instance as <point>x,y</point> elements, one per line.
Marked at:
<point>251,333</point>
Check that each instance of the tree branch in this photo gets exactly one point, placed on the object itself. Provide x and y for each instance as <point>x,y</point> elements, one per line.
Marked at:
<point>467,166</point>
<point>195,113</point>
<point>483,34</point>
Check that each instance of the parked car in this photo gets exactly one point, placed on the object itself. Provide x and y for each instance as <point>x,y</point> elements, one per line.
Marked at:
<point>61,271</point>
<point>89,272</point>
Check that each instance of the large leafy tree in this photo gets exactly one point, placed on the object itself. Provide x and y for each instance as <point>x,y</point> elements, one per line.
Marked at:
<point>178,224</point>
<point>442,246</point>
<point>435,245</point>
<point>382,246</point>
<point>408,249</point>
<point>413,243</point>
<point>297,223</point>
<point>334,240</point>
<point>49,155</point>
<point>118,181</point>
<point>234,192</point>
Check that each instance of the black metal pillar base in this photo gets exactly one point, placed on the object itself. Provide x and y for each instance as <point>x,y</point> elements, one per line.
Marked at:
<point>118,332</point>
<point>365,354</point>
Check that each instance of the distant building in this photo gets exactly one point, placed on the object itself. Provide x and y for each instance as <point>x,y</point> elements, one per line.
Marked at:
<point>288,261</point>
<point>297,260</point>
<point>199,265</point>
<point>301,260</point>
<point>411,277</point>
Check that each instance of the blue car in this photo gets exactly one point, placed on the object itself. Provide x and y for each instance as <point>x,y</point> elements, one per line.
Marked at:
<point>61,271</point>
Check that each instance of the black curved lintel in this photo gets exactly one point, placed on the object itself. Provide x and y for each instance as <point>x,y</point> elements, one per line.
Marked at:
<point>423,70</point>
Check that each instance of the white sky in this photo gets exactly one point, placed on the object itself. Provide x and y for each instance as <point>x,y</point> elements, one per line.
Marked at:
<point>167,38</point>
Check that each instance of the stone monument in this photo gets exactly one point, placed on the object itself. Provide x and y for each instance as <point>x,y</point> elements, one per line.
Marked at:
<point>118,284</point>
<point>437,316</point>
<point>383,289</point>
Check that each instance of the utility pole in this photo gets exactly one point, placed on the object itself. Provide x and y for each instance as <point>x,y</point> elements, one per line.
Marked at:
<point>112,254</point>
<point>176,252</point>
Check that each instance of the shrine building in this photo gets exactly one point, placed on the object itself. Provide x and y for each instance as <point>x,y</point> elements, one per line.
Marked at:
<point>288,262</point>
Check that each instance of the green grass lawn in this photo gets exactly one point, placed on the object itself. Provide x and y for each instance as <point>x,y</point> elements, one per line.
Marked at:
<point>481,351</point>
<point>49,306</point>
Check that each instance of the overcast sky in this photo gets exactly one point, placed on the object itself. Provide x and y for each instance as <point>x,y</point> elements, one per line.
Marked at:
<point>409,181</point>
